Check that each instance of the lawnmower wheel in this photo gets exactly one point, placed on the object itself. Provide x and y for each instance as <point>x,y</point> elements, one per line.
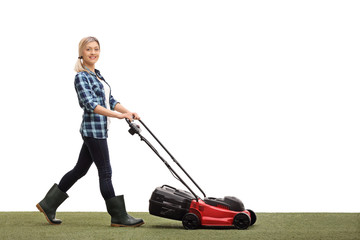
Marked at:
<point>190,221</point>
<point>252,216</point>
<point>241,221</point>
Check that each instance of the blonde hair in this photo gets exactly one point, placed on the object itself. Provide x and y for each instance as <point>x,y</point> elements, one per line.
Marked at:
<point>79,66</point>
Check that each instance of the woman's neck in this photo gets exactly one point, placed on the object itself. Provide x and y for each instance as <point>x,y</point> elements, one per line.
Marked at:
<point>91,68</point>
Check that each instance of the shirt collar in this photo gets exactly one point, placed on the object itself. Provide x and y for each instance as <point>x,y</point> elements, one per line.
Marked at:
<point>97,72</point>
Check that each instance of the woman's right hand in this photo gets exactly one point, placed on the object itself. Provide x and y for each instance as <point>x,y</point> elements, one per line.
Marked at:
<point>126,115</point>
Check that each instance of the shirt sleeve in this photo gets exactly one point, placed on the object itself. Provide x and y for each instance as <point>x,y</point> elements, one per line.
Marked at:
<point>86,96</point>
<point>113,102</point>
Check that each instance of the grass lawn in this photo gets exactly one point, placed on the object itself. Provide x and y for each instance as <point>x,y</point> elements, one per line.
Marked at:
<point>96,225</point>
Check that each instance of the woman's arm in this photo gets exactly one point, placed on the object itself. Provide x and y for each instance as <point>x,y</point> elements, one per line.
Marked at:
<point>108,113</point>
<point>120,108</point>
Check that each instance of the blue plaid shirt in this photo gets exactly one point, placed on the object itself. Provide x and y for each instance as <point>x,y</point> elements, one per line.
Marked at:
<point>91,93</point>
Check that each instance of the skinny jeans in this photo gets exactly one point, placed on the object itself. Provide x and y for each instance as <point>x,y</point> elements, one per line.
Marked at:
<point>92,151</point>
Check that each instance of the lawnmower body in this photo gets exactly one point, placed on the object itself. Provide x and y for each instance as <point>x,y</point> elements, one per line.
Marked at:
<point>217,216</point>
<point>177,204</point>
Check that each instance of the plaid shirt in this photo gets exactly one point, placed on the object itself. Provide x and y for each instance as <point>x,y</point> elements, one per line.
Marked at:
<point>91,93</point>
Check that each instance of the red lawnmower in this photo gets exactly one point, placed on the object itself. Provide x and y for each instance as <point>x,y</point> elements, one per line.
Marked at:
<point>194,212</point>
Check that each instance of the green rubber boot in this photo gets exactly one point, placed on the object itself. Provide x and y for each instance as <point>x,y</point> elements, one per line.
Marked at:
<point>53,199</point>
<point>119,217</point>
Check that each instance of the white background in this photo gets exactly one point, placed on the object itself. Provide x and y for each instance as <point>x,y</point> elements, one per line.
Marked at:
<point>256,99</point>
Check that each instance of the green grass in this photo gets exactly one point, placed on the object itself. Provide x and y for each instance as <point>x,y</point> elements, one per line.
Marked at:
<point>84,225</point>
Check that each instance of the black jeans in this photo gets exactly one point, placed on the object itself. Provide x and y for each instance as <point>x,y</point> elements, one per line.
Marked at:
<point>93,150</point>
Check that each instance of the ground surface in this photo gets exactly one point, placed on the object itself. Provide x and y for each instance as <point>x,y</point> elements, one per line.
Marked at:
<point>84,225</point>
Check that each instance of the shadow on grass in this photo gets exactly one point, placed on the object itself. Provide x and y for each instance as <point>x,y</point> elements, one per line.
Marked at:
<point>164,226</point>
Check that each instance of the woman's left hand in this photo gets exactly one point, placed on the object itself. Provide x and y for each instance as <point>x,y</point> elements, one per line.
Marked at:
<point>135,116</point>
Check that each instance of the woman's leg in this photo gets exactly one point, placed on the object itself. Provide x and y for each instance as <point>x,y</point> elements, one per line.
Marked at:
<point>81,168</point>
<point>57,194</point>
<point>99,152</point>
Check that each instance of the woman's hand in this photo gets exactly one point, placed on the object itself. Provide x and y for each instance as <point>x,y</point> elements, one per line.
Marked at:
<point>136,116</point>
<point>120,108</point>
<point>131,116</point>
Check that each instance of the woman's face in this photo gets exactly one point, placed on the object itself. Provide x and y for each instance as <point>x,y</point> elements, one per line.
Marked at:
<point>91,53</point>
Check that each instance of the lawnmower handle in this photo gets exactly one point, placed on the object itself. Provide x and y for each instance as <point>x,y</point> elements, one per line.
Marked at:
<point>128,121</point>
<point>134,128</point>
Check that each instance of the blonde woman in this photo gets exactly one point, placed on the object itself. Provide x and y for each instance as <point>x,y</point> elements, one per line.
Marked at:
<point>94,95</point>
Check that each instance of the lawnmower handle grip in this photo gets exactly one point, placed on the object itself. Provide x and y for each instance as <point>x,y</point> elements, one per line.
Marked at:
<point>128,121</point>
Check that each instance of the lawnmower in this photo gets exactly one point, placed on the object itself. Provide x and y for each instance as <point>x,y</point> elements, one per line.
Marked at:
<point>186,206</point>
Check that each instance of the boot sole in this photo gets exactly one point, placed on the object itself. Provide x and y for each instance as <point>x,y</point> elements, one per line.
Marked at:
<point>121,225</point>
<point>41,210</point>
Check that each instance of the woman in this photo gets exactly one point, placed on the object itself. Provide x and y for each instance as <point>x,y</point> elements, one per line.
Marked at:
<point>99,106</point>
